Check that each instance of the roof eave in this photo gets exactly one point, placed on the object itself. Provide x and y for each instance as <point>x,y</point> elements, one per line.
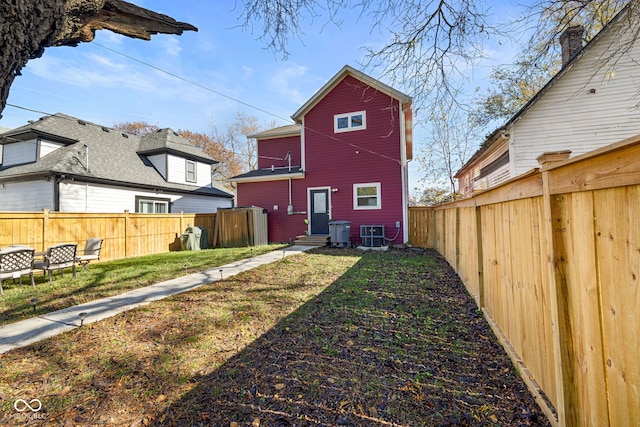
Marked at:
<point>346,71</point>
<point>266,178</point>
<point>265,135</point>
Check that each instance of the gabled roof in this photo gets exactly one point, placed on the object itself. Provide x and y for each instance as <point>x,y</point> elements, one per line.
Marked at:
<point>495,135</point>
<point>112,156</point>
<point>344,72</point>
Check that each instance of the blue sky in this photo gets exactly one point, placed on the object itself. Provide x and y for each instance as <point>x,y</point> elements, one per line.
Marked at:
<point>94,83</point>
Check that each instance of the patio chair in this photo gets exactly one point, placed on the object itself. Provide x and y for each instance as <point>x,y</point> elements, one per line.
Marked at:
<point>58,257</point>
<point>91,252</point>
<point>16,262</point>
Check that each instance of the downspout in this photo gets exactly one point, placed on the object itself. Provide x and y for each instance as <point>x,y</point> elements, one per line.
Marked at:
<point>404,170</point>
<point>56,192</point>
<point>303,157</point>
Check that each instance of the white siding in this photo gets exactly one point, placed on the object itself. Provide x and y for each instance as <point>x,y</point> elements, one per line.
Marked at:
<point>582,111</point>
<point>159,162</point>
<point>32,196</point>
<point>79,197</point>
<point>47,147</point>
<point>177,172</point>
<point>19,153</point>
<point>199,204</point>
<point>204,175</point>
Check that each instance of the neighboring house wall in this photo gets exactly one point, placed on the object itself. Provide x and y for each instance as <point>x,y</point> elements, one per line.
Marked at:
<point>159,161</point>
<point>19,153</point>
<point>47,147</point>
<point>587,108</point>
<point>177,171</point>
<point>489,170</point>
<point>81,197</point>
<point>593,102</point>
<point>14,200</point>
<point>199,204</point>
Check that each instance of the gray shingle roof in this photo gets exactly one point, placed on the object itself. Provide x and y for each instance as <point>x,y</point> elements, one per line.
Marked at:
<point>114,156</point>
<point>288,130</point>
<point>276,173</point>
<point>167,140</point>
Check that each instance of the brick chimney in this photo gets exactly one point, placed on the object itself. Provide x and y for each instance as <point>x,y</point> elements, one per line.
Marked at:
<point>571,42</point>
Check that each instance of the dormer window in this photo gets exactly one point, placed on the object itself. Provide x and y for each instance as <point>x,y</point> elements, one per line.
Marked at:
<point>350,121</point>
<point>191,171</point>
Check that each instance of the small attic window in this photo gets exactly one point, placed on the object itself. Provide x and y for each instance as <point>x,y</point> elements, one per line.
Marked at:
<point>350,121</point>
<point>105,129</point>
<point>125,135</point>
<point>82,122</point>
<point>175,133</point>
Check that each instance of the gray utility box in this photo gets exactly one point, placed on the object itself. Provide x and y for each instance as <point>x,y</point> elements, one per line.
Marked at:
<point>339,232</point>
<point>372,235</point>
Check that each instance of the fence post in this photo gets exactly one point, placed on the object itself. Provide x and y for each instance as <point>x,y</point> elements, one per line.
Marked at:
<point>479,252</point>
<point>561,327</point>
<point>457,240</point>
<point>126,232</point>
<point>45,229</point>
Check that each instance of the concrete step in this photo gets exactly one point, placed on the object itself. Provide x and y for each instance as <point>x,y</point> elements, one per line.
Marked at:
<point>312,240</point>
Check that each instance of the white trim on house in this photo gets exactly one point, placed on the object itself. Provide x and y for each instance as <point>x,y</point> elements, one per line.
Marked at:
<point>350,122</point>
<point>357,198</point>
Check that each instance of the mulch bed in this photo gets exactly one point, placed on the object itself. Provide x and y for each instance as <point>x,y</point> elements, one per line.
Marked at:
<point>396,341</point>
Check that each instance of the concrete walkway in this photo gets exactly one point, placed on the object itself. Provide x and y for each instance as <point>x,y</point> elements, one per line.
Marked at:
<point>28,331</point>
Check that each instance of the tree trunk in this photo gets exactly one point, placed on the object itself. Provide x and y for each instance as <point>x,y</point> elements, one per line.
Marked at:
<point>27,27</point>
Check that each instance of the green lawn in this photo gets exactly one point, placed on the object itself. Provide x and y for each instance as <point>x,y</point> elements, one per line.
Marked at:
<point>109,278</point>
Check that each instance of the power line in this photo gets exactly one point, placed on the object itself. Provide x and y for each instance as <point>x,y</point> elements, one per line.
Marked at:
<point>239,101</point>
<point>192,82</point>
<point>358,147</point>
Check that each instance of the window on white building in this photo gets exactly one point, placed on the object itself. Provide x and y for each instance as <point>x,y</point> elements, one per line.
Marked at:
<point>191,171</point>
<point>151,205</point>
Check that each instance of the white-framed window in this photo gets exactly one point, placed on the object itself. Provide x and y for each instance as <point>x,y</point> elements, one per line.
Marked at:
<point>367,196</point>
<point>151,205</point>
<point>192,175</point>
<point>350,121</point>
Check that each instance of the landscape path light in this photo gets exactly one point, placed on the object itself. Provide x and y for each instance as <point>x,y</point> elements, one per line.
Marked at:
<point>34,302</point>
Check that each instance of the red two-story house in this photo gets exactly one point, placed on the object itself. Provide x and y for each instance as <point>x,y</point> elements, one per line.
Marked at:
<point>345,159</point>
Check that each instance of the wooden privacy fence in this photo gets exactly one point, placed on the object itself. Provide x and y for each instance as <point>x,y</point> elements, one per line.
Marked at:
<point>240,227</point>
<point>553,259</point>
<point>125,234</point>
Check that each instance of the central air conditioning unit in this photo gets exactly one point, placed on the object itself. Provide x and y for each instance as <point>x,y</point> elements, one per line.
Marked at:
<point>372,235</point>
